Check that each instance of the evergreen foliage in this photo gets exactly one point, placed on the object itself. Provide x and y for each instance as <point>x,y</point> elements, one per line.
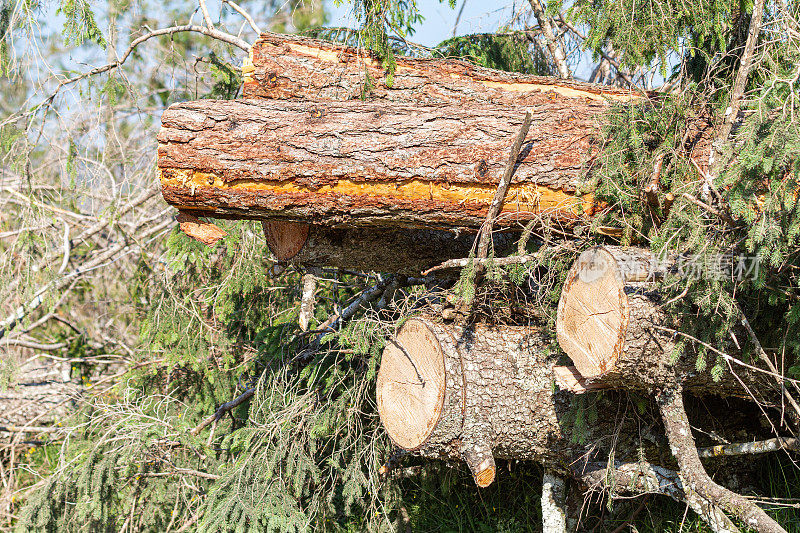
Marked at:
<point>510,52</point>
<point>80,24</point>
<point>303,454</point>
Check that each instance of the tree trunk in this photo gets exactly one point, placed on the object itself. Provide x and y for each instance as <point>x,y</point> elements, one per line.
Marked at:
<point>472,393</point>
<point>294,67</point>
<point>367,164</point>
<point>398,251</point>
<point>612,325</point>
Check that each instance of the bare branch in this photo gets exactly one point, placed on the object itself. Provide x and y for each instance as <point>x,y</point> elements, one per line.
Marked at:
<point>244,15</point>
<point>694,476</point>
<point>556,50</point>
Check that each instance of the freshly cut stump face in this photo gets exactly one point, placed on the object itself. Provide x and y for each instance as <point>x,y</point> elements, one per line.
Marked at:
<point>593,313</point>
<point>411,385</point>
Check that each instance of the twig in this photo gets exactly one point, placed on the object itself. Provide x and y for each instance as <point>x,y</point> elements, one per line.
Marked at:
<point>365,297</point>
<point>646,478</point>
<point>713,211</point>
<point>763,356</point>
<point>206,16</point>
<point>244,15</point>
<point>502,188</point>
<point>224,408</point>
<point>38,299</point>
<point>499,261</point>
<point>604,55</point>
<point>751,448</point>
<point>458,17</point>
<point>210,32</point>
<point>181,471</point>
<point>45,347</point>
<point>89,232</point>
<point>65,260</point>
<point>745,65</point>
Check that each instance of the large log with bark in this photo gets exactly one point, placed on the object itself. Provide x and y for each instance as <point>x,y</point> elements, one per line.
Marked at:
<point>473,393</point>
<point>408,252</point>
<point>368,164</point>
<point>295,67</point>
<point>482,391</point>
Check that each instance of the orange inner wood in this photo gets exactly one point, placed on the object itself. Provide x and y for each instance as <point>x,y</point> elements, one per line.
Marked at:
<point>524,197</point>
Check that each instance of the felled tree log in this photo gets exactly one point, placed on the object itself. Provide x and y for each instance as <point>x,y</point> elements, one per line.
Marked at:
<point>612,325</point>
<point>475,394</point>
<point>295,67</point>
<point>482,392</point>
<point>400,251</point>
<point>368,164</point>
<point>609,316</point>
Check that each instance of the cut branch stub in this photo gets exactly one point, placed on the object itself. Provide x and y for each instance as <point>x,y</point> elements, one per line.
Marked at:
<point>285,239</point>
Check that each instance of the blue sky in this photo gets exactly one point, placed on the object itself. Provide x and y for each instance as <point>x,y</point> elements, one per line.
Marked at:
<point>478,16</point>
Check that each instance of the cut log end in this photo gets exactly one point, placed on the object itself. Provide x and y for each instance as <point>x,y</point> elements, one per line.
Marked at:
<point>285,239</point>
<point>593,313</point>
<point>411,385</point>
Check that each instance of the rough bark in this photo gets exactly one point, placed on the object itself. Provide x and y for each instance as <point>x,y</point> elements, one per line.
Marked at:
<point>367,164</point>
<point>473,393</point>
<point>294,67</point>
<point>409,252</point>
<point>612,325</point>
<point>480,392</point>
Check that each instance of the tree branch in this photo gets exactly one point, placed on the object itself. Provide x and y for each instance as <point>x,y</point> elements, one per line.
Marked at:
<point>693,475</point>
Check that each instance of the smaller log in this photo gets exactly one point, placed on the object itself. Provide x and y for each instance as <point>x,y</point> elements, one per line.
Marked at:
<point>612,324</point>
<point>472,393</point>
<point>409,252</point>
<point>606,312</point>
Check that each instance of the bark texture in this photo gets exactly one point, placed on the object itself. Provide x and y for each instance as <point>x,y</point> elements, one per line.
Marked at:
<point>495,398</point>
<point>294,67</point>
<point>367,164</point>
<point>408,252</point>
